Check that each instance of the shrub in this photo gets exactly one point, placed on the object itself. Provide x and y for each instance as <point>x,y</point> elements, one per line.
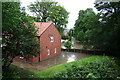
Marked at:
<point>68,44</point>
<point>103,68</point>
<point>10,74</point>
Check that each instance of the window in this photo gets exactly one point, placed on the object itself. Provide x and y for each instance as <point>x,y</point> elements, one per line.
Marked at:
<point>48,52</point>
<point>55,50</point>
<point>22,56</point>
<point>52,39</point>
<point>21,41</point>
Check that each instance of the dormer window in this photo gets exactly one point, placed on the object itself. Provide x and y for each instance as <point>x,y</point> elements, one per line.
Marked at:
<point>51,39</point>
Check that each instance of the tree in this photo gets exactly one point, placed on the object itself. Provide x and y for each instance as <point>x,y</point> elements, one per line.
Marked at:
<point>18,32</point>
<point>110,30</point>
<point>68,44</point>
<point>70,34</point>
<point>87,19</point>
<point>50,11</point>
<point>102,31</point>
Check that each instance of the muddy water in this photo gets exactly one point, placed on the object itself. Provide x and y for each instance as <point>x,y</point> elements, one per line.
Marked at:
<point>64,57</point>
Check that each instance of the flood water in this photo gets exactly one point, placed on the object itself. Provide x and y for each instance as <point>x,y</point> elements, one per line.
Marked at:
<point>64,57</point>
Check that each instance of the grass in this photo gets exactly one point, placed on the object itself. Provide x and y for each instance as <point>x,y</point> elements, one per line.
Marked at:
<point>48,73</point>
<point>62,67</point>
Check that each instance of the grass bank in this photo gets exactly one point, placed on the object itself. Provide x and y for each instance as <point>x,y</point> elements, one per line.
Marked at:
<point>16,72</point>
<point>62,67</point>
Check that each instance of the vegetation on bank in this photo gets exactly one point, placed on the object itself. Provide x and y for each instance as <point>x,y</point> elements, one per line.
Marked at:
<point>99,30</point>
<point>91,67</point>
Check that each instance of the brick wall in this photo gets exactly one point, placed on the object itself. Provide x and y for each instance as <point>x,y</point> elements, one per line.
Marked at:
<point>45,43</point>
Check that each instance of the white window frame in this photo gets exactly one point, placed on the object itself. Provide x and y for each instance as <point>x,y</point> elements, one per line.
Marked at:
<point>55,51</point>
<point>22,54</point>
<point>21,57</point>
<point>48,52</point>
<point>51,39</point>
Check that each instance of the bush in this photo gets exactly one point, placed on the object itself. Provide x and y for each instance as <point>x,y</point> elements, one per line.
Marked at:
<point>17,73</point>
<point>68,44</point>
<point>10,74</point>
<point>103,68</point>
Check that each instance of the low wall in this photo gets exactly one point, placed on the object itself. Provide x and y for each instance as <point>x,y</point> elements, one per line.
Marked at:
<point>85,51</point>
<point>31,60</point>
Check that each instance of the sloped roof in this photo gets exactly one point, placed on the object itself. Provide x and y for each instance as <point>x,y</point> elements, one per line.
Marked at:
<point>42,26</point>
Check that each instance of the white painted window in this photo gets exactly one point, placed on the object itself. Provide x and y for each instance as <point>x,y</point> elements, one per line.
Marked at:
<point>21,57</point>
<point>48,52</point>
<point>1,45</point>
<point>55,50</point>
<point>21,42</point>
<point>51,39</point>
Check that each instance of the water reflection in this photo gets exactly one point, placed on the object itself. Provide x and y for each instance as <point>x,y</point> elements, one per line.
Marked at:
<point>64,57</point>
<point>71,58</point>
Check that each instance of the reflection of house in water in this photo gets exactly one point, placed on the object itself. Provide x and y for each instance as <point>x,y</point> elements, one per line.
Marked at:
<point>50,41</point>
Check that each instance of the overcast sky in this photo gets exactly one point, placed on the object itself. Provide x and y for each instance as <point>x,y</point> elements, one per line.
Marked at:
<point>72,6</point>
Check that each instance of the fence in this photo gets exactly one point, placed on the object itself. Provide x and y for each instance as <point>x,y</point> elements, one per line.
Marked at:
<point>85,51</point>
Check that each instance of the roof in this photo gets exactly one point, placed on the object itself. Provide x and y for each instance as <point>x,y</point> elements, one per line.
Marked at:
<point>42,26</point>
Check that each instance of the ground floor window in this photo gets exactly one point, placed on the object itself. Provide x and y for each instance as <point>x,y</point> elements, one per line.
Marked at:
<point>21,57</point>
<point>48,52</point>
<point>55,50</point>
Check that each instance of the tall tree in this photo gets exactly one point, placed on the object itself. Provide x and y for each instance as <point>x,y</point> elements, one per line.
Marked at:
<point>101,31</point>
<point>18,32</point>
<point>84,24</point>
<point>110,26</point>
<point>46,11</point>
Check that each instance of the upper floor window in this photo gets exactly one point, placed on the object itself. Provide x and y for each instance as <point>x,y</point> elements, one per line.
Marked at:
<point>51,39</point>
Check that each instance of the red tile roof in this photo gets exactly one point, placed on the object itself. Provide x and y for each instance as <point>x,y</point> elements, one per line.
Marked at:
<point>42,26</point>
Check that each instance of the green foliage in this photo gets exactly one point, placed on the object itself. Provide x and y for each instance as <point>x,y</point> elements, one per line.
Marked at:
<point>18,33</point>
<point>87,19</point>
<point>107,37</point>
<point>65,37</point>
<point>17,73</point>
<point>100,31</point>
<point>103,68</point>
<point>83,48</point>
<point>68,44</point>
<point>56,70</point>
<point>50,11</point>
<point>11,75</point>
<point>70,34</point>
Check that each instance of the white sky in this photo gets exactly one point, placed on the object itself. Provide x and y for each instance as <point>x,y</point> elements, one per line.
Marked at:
<point>72,6</point>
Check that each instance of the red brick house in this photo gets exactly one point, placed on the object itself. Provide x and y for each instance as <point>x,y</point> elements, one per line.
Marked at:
<point>50,41</point>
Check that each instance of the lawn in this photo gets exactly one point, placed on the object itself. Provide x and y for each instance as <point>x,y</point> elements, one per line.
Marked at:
<point>17,72</point>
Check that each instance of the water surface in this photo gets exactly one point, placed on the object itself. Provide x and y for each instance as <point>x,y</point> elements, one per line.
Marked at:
<point>64,57</point>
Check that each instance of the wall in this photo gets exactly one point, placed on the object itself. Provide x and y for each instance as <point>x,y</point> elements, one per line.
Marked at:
<point>85,51</point>
<point>45,43</point>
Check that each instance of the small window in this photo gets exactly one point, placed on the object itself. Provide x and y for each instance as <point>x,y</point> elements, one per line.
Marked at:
<point>1,45</point>
<point>48,52</point>
<point>55,50</point>
<point>21,57</point>
<point>52,39</point>
<point>21,41</point>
